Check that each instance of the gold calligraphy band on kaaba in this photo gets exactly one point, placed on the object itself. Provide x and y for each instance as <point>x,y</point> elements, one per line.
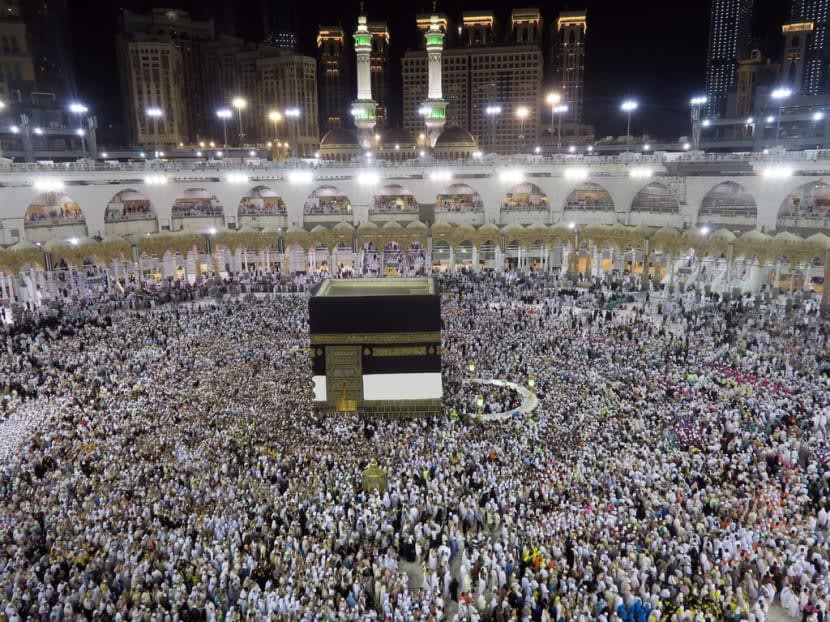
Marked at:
<point>431,337</point>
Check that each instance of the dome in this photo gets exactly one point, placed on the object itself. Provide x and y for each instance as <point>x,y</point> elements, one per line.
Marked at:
<point>340,137</point>
<point>456,137</point>
<point>755,236</point>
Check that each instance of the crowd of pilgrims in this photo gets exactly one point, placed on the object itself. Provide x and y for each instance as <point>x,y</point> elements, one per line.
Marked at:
<point>166,464</point>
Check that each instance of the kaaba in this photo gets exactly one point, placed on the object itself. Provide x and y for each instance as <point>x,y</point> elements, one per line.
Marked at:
<point>376,346</point>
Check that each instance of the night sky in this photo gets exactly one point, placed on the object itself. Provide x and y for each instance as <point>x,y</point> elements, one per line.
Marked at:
<point>649,49</point>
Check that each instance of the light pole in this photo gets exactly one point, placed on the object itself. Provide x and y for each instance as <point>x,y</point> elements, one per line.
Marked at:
<point>522,113</point>
<point>240,103</point>
<point>224,114</point>
<point>696,103</point>
<point>80,110</point>
<point>780,95</point>
<point>553,100</point>
<point>293,114</point>
<point>155,113</point>
<point>628,106</point>
<point>493,111</point>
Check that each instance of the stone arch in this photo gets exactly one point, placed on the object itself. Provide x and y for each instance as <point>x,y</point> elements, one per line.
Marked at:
<point>394,199</point>
<point>416,257</point>
<point>130,211</point>
<point>591,196</point>
<point>464,253</point>
<point>129,205</point>
<point>322,256</point>
<point>261,201</point>
<point>728,199</point>
<point>52,215</point>
<point>393,258</point>
<point>536,251</point>
<point>525,197</point>
<point>806,208</point>
<point>459,198</point>
<point>197,203</point>
<point>327,200</point>
<point>487,254</point>
<point>441,254</point>
<point>512,253</point>
<point>343,258</point>
<point>296,258</point>
<point>656,198</point>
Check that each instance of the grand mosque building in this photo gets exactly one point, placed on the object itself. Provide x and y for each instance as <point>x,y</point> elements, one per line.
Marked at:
<point>386,205</point>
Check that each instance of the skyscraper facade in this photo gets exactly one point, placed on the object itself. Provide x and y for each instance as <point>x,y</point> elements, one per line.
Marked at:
<point>17,70</point>
<point>280,22</point>
<point>569,36</point>
<point>47,24</point>
<point>730,31</point>
<point>283,82</point>
<point>160,63</point>
<point>379,65</point>
<point>813,16</point>
<point>333,77</point>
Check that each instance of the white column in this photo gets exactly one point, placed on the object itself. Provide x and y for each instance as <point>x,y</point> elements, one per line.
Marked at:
<point>435,47</point>
<point>363,49</point>
<point>476,266</point>
<point>452,260</point>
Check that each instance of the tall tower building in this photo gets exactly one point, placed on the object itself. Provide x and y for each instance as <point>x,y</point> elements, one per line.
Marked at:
<point>478,28</point>
<point>379,64</point>
<point>280,22</point>
<point>288,81</point>
<point>796,41</point>
<point>333,76</point>
<point>730,30</point>
<point>527,26</point>
<point>160,64</point>
<point>17,71</point>
<point>50,41</point>
<point>813,17</point>
<point>569,60</point>
<point>364,109</point>
<point>434,110</point>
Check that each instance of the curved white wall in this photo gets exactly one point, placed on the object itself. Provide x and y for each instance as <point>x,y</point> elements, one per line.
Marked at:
<point>92,191</point>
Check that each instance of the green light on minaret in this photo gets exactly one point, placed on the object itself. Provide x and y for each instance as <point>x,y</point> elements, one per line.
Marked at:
<point>362,39</point>
<point>435,38</point>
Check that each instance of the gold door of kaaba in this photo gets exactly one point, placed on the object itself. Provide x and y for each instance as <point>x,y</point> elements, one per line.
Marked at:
<point>344,377</point>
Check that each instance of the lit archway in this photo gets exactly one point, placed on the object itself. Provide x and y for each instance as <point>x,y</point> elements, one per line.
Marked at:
<point>525,197</point>
<point>394,199</point>
<point>459,198</point>
<point>807,208</point>
<point>728,200</point>
<point>393,259</point>
<point>590,196</point>
<point>130,211</point>
<point>487,255</point>
<point>464,254</point>
<point>53,215</point>
<point>296,259</point>
<point>261,201</point>
<point>441,254</point>
<point>656,198</point>
<point>327,201</point>
<point>197,203</point>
